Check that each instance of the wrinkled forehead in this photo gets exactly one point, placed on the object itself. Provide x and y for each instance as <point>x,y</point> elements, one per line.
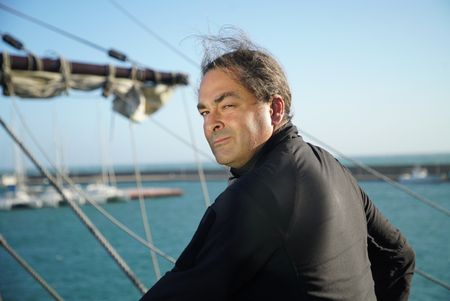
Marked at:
<point>215,82</point>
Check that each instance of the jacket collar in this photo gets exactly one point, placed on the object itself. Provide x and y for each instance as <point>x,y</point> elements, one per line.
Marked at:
<point>288,130</point>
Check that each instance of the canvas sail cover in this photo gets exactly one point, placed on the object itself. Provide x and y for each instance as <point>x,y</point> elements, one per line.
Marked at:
<point>133,99</point>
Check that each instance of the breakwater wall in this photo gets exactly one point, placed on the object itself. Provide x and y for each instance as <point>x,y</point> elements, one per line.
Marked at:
<point>391,171</point>
<point>394,171</point>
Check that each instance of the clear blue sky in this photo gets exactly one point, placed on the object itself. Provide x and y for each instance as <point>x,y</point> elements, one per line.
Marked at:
<point>368,77</point>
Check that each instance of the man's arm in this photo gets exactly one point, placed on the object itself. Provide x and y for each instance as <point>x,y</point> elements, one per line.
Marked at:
<point>226,250</point>
<point>392,258</point>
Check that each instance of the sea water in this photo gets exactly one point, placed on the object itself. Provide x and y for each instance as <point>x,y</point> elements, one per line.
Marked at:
<point>61,249</point>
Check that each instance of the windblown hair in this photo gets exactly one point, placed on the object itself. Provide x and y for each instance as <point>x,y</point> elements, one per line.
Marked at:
<point>253,67</point>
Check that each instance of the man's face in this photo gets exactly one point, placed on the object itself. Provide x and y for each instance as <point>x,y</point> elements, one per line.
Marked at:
<point>235,123</point>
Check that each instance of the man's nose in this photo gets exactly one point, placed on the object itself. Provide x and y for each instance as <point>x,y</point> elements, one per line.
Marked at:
<point>214,121</point>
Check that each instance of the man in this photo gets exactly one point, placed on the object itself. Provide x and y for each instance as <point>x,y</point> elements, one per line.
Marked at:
<point>293,224</point>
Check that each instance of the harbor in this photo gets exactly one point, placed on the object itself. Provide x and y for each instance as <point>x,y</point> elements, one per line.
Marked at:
<point>33,191</point>
<point>393,172</point>
<point>22,194</point>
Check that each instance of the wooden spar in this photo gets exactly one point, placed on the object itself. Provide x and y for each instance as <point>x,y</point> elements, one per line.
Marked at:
<point>54,65</point>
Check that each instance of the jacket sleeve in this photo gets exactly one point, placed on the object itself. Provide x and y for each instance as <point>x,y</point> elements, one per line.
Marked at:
<point>392,258</point>
<point>228,248</point>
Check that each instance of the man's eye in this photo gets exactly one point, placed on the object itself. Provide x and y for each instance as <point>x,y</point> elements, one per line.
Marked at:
<point>203,113</point>
<point>228,106</point>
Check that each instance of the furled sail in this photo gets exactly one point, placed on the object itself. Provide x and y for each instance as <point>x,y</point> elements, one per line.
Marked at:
<point>137,92</point>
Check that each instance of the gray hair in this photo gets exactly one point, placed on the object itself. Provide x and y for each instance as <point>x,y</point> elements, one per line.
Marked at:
<point>253,67</point>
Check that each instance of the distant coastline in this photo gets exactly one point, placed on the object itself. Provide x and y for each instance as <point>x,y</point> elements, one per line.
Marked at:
<point>391,166</point>
<point>393,172</point>
<point>405,159</point>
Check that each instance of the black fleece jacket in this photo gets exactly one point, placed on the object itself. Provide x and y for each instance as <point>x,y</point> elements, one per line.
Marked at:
<point>292,225</point>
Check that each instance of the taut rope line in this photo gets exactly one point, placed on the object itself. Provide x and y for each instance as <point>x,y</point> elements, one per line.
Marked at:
<point>83,194</point>
<point>384,178</point>
<point>148,232</point>
<point>30,270</point>
<point>80,214</point>
<point>201,173</point>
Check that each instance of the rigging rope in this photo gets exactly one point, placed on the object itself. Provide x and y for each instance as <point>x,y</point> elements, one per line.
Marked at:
<point>80,214</point>
<point>83,194</point>
<point>117,223</point>
<point>432,279</point>
<point>182,140</point>
<point>111,173</point>
<point>154,34</point>
<point>383,177</point>
<point>52,27</point>
<point>29,269</point>
<point>105,178</point>
<point>111,52</point>
<point>201,173</point>
<point>148,232</point>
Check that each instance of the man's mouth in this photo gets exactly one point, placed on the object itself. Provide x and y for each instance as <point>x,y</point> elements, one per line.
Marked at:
<point>220,141</point>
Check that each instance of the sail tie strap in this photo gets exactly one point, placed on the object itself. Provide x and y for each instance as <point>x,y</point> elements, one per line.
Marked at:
<point>7,79</point>
<point>133,73</point>
<point>33,60</point>
<point>158,77</point>
<point>65,73</point>
<point>108,86</point>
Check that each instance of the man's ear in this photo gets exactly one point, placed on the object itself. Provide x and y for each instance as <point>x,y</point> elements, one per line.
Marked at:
<point>277,110</point>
